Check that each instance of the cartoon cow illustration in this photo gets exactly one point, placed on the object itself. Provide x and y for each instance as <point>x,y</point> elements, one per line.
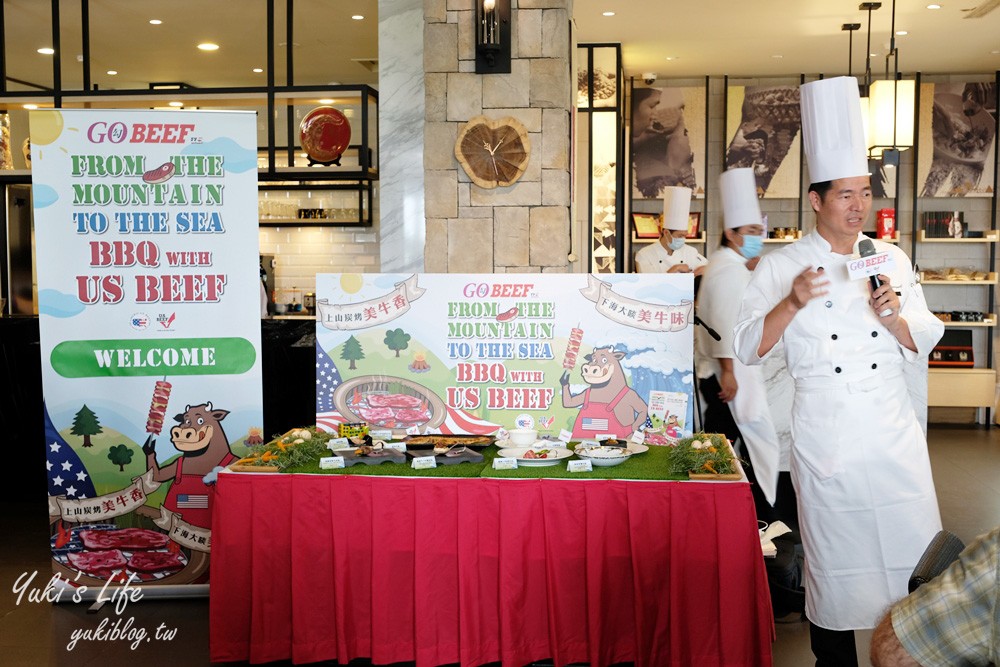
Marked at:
<point>203,446</point>
<point>608,405</point>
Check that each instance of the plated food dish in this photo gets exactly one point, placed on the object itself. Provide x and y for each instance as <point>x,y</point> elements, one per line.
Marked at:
<point>536,456</point>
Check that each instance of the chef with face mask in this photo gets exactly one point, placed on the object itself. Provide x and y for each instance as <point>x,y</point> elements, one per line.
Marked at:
<point>735,394</point>
<point>671,254</point>
<point>859,461</point>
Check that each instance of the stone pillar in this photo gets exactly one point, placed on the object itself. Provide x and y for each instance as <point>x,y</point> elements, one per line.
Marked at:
<point>524,227</point>
<point>401,135</point>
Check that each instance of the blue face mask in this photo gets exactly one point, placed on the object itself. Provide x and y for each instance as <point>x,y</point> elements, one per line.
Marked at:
<point>676,244</point>
<point>752,245</point>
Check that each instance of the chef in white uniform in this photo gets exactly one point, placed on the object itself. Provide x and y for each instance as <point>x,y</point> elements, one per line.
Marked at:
<point>671,254</point>
<point>741,389</point>
<point>867,505</point>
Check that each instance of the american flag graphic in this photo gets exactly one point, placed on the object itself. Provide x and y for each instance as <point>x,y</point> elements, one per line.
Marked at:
<point>192,501</point>
<point>66,473</point>
<point>591,424</point>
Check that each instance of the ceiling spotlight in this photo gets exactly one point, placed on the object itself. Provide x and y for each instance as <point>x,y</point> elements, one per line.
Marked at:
<point>777,56</point>
<point>257,70</point>
<point>933,6</point>
<point>673,57</point>
<point>155,21</point>
<point>112,72</point>
<point>30,106</point>
<point>208,46</point>
<point>358,17</point>
<point>607,14</point>
<point>995,52</point>
<point>902,32</point>
<point>46,51</point>
<point>176,104</point>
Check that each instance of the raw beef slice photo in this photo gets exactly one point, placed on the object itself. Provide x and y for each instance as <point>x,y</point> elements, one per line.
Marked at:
<point>97,563</point>
<point>393,401</point>
<point>412,416</point>
<point>376,415</point>
<point>124,538</point>
<point>154,561</point>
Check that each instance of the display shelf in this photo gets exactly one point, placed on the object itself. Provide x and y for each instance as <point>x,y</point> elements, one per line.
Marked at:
<point>961,387</point>
<point>991,279</point>
<point>990,236</point>
<point>784,240</point>
<point>698,240</point>
<point>989,321</point>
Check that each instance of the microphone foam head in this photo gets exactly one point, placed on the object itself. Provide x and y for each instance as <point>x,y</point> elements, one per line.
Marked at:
<point>865,247</point>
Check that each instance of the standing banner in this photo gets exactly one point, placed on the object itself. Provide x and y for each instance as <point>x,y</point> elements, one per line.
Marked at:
<point>594,355</point>
<point>148,299</point>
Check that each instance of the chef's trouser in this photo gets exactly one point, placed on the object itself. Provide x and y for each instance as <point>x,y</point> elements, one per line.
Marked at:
<point>833,648</point>
<point>718,417</point>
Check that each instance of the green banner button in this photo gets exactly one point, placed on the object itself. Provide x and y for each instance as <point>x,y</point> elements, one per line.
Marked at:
<point>179,356</point>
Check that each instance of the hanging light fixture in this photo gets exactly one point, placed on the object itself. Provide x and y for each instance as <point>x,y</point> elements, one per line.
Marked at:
<point>492,36</point>
<point>890,101</point>
<point>850,28</point>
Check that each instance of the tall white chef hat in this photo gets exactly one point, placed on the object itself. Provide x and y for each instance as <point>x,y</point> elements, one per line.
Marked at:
<point>676,207</point>
<point>832,131</point>
<point>740,205</point>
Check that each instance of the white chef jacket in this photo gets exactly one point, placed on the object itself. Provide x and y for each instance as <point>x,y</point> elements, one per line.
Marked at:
<point>654,258</point>
<point>867,505</point>
<point>722,287</point>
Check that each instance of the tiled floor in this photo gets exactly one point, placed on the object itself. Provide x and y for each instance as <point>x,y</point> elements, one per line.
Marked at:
<point>32,634</point>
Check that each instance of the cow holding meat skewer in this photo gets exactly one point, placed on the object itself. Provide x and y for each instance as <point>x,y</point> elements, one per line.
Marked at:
<point>608,405</point>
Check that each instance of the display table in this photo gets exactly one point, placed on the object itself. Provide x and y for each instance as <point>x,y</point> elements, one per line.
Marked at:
<point>472,571</point>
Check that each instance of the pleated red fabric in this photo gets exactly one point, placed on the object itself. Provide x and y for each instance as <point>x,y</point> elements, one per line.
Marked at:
<point>471,571</point>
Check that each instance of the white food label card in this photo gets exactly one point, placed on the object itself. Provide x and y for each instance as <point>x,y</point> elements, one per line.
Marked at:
<point>504,463</point>
<point>565,436</point>
<point>502,434</point>
<point>381,434</point>
<point>398,446</point>
<point>337,443</point>
<point>580,466</point>
<point>413,430</point>
<point>872,265</point>
<point>606,436</point>
<point>330,462</point>
<point>638,437</point>
<point>424,462</point>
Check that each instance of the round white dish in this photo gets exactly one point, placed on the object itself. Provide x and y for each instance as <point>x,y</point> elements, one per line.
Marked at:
<point>523,437</point>
<point>556,454</point>
<point>604,457</point>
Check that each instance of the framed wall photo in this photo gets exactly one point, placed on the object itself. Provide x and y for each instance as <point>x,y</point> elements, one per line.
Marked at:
<point>762,128</point>
<point>647,225</point>
<point>694,225</point>
<point>957,135</point>
<point>667,143</point>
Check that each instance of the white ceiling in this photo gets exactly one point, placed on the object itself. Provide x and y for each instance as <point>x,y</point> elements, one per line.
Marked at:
<point>742,37</point>
<point>707,37</point>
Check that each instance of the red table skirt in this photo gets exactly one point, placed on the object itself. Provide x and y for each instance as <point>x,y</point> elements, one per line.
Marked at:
<point>472,571</point>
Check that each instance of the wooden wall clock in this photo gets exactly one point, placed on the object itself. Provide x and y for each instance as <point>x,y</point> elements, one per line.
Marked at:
<point>493,152</point>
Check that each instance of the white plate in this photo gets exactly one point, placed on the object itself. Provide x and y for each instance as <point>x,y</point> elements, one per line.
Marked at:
<point>556,454</point>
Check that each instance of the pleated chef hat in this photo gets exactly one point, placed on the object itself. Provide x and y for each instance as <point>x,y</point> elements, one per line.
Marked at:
<point>676,207</point>
<point>740,205</point>
<point>832,131</point>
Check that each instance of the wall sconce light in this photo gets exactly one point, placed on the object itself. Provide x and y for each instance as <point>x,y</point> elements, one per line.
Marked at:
<point>493,28</point>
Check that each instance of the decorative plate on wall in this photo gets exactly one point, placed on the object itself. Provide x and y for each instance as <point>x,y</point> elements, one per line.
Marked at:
<point>325,133</point>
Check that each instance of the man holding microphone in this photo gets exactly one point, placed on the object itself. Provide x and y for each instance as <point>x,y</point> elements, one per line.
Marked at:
<point>859,463</point>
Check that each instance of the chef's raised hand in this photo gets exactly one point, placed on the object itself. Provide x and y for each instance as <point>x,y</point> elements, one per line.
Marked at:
<point>807,286</point>
<point>885,302</point>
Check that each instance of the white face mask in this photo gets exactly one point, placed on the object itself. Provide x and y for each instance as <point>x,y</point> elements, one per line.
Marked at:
<point>676,244</point>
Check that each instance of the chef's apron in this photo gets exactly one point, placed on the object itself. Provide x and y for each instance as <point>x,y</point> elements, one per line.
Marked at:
<point>859,462</point>
<point>190,497</point>
<point>753,417</point>
<point>599,418</point>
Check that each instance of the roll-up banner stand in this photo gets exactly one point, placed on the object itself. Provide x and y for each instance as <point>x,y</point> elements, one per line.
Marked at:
<point>145,228</point>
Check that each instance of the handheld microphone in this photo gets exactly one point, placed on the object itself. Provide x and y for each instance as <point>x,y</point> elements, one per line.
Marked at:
<point>866,249</point>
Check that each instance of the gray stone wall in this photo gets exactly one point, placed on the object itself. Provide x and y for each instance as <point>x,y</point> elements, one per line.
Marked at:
<point>523,228</point>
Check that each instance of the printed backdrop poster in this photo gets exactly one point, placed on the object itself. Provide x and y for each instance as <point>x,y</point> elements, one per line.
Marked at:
<point>763,125</point>
<point>472,353</point>
<point>148,293</point>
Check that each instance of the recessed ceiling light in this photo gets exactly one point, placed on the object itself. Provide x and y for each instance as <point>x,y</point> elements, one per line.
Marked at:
<point>326,101</point>
<point>112,72</point>
<point>155,21</point>
<point>30,106</point>
<point>257,70</point>
<point>46,51</point>
<point>777,56</point>
<point>176,104</point>
<point>607,14</point>
<point>995,52</point>
<point>902,32</point>
<point>873,55</point>
<point>208,46</point>
<point>673,57</point>
<point>933,6</point>
<point>358,17</point>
